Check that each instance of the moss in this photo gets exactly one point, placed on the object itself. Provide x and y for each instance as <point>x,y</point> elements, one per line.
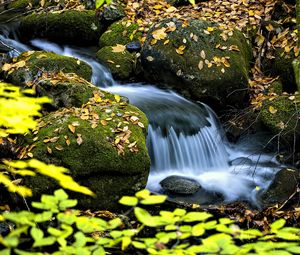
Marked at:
<point>77,27</point>
<point>276,87</point>
<point>162,63</point>
<point>18,4</point>
<point>121,64</point>
<point>284,121</point>
<point>121,32</point>
<point>39,62</point>
<point>96,157</point>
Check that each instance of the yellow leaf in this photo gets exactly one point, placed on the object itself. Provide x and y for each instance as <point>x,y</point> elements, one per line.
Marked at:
<point>72,128</point>
<point>272,109</point>
<point>117,98</point>
<point>103,122</point>
<point>210,29</point>
<point>118,48</point>
<point>59,147</point>
<point>180,49</point>
<point>159,34</point>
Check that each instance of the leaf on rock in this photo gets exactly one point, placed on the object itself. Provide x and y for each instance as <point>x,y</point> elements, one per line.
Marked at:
<point>272,109</point>
<point>118,48</point>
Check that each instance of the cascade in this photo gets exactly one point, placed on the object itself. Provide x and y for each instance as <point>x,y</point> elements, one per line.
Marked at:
<point>184,138</point>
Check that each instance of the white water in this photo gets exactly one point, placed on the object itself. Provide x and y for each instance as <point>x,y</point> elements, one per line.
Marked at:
<point>184,138</point>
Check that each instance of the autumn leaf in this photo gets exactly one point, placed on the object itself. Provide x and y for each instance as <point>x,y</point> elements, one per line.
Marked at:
<point>202,54</point>
<point>117,98</point>
<point>200,65</point>
<point>118,48</point>
<point>79,139</point>
<point>72,128</point>
<point>159,34</point>
<point>180,49</point>
<point>272,109</point>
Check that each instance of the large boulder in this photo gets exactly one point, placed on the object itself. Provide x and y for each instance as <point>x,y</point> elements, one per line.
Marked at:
<point>119,61</point>
<point>120,32</point>
<point>199,58</point>
<point>76,27</point>
<point>180,185</point>
<point>284,185</point>
<point>29,66</point>
<point>281,117</point>
<point>103,144</point>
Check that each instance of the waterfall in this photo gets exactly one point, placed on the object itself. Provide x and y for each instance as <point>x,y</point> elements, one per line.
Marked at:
<point>184,138</point>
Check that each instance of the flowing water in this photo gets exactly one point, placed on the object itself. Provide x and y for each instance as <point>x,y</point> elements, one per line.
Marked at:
<point>184,138</point>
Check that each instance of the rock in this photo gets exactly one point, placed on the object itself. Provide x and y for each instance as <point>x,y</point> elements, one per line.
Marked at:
<point>112,12</point>
<point>180,185</point>
<point>38,63</point>
<point>280,117</point>
<point>282,187</point>
<point>178,2</point>
<point>197,62</point>
<point>65,90</point>
<point>121,32</point>
<point>76,27</point>
<point>120,63</point>
<point>101,151</point>
<point>134,46</point>
<point>241,161</point>
<point>282,66</point>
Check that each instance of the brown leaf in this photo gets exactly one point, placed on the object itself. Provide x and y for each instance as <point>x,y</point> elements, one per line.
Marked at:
<point>202,54</point>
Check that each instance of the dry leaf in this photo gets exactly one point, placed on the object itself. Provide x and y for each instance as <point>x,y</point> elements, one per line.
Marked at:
<point>118,48</point>
<point>79,139</point>
<point>272,109</point>
<point>72,128</point>
<point>200,65</point>
<point>202,54</point>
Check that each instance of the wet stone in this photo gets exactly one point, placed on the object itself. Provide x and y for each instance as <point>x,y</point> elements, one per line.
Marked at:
<point>134,46</point>
<point>180,185</point>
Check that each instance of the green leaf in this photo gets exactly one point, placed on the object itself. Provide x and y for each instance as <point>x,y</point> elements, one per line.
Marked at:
<point>10,241</point>
<point>63,205</point>
<point>179,212</point>
<point>36,233</point>
<point>294,249</point>
<point>80,239</point>
<point>196,216</point>
<point>99,3</point>
<point>277,224</point>
<point>44,242</point>
<point>142,194</point>
<point>198,230</point>
<point>99,251</point>
<point>20,252</point>
<point>138,245</point>
<point>61,195</point>
<point>129,201</point>
<point>126,241</point>
<point>154,199</point>
<point>43,217</point>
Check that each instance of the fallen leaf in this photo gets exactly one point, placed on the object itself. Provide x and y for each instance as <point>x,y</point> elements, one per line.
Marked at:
<point>118,48</point>
<point>202,54</point>
<point>72,128</point>
<point>272,109</point>
<point>200,65</point>
<point>79,139</point>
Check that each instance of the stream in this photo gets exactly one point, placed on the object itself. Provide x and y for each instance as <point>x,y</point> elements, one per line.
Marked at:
<point>184,138</point>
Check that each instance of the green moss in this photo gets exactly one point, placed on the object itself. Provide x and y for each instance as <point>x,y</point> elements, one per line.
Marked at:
<point>121,64</point>
<point>121,32</point>
<point>284,121</point>
<point>18,4</point>
<point>162,63</point>
<point>95,160</point>
<point>39,62</point>
<point>76,27</point>
<point>276,87</point>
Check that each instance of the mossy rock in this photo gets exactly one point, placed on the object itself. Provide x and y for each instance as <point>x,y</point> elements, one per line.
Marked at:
<point>75,27</point>
<point>39,62</point>
<point>281,117</point>
<point>103,144</point>
<point>199,63</point>
<point>121,64</point>
<point>285,183</point>
<point>282,66</point>
<point>121,32</point>
<point>65,90</point>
